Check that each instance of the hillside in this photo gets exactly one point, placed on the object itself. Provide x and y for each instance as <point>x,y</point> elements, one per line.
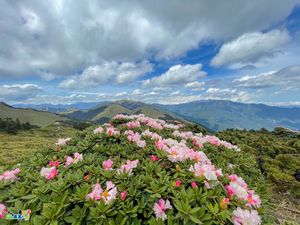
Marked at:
<point>220,115</point>
<point>35,117</point>
<point>105,111</point>
<point>15,147</point>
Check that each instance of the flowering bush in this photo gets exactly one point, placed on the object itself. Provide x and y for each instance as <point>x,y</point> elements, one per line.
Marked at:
<point>137,170</point>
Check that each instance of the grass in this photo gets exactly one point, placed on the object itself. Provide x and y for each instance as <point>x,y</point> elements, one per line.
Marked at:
<point>35,117</point>
<point>13,148</point>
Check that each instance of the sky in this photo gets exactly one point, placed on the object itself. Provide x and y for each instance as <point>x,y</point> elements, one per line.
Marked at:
<point>169,52</point>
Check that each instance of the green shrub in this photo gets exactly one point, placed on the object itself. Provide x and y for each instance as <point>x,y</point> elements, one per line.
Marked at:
<point>64,193</point>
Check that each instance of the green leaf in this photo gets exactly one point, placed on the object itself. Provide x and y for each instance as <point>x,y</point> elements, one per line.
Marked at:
<point>195,220</point>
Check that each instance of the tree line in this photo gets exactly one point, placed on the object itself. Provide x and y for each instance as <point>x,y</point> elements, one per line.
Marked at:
<point>11,126</point>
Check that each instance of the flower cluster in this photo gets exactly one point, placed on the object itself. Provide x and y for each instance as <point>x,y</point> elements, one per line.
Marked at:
<point>160,208</point>
<point>135,137</point>
<point>246,217</point>
<point>62,141</point>
<point>98,130</point>
<point>107,164</point>
<point>199,140</point>
<point>184,135</point>
<point>152,135</point>
<point>239,187</point>
<point>10,175</point>
<point>54,163</point>
<point>107,195</point>
<point>77,157</point>
<point>128,166</point>
<point>133,124</point>
<point>49,173</point>
<point>206,170</point>
<point>3,210</point>
<point>112,131</point>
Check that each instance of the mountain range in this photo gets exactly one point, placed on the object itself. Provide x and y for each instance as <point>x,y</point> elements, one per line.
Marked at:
<point>215,115</point>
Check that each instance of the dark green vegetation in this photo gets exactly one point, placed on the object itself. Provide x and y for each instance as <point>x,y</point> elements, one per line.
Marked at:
<point>220,115</point>
<point>11,126</point>
<point>277,154</point>
<point>34,117</point>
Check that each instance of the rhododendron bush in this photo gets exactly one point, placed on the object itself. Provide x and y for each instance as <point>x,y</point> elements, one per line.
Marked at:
<point>136,170</point>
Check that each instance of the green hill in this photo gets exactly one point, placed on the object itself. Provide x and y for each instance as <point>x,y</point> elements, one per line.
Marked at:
<point>104,112</point>
<point>35,117</point>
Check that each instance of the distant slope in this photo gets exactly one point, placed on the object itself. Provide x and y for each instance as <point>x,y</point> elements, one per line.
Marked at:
<point>220,115</point>
<point>35,117</point>
<point>60,107</point>
<point>104,112</point>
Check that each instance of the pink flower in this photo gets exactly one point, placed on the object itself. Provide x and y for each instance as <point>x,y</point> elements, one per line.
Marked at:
<point>107,195</point>
<point>10,175</point>
<point>154,158</point>
<point>111,131</point>
<point>77,157</point>
<point>123,195</point>
<point>207,185</point>
<point>133,124</point>
<point>3,211</point>
<point>69,161</point>
<point>160,145</point>
<point>233,177</point>
<point>128,166</point>
<point>246,217</point>
<point>86,177</point>
<point>49,173</point>
<point>160,207</point>
<point>107,164</point>
<point>253,199</point>
<point>98,130</point>
<point>62,141</point>
<point>194,184</point>
<point>53,163</point>
<point>178,183</point>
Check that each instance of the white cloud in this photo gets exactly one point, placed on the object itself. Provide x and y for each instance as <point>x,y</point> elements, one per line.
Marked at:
<point>251,47</point>
<point>195,86</point>
<point>226,94</point>
<point>136,92</point>
<point>107,72</point>
<point>19,91</point>
<point>62,37</point>
<point>286,78</point>
<point>121,94</point>
<point>177,75</point>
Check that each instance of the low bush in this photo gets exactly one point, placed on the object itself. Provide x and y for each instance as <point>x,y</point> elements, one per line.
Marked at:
<point>136,170</point>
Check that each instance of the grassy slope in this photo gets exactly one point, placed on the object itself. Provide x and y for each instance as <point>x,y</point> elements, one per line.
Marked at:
<point>14,147</point>
<point>35,117</point>
<point>110,112</point>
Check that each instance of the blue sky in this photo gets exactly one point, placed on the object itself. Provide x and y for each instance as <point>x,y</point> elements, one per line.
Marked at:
<point>166,52</point>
